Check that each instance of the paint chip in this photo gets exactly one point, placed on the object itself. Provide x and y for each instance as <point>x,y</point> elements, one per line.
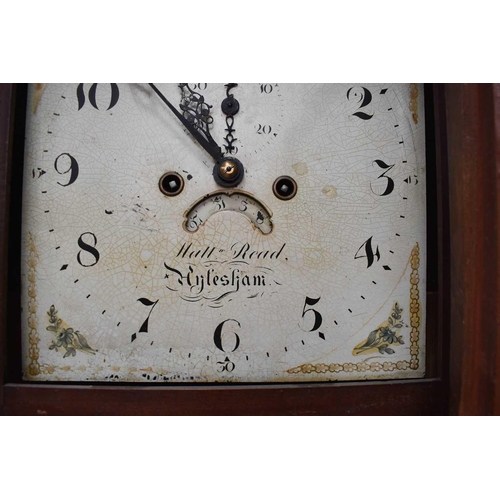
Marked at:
<point>39,90</point>
<point>414,102</point>
<point>300,168</point>
<point>330,191</point>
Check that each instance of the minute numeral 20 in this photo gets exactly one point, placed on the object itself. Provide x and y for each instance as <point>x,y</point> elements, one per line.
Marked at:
<point>92,95</point>
<point>264,129</point>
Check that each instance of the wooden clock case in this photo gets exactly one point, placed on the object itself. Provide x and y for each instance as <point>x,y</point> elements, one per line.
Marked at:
<point>463,341</point>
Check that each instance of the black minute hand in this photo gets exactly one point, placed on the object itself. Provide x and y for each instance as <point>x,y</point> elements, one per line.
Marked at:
<point>214,151</point>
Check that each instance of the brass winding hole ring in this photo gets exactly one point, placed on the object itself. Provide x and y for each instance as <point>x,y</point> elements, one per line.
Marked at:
<point>284,188</point>
<point>171,184</point>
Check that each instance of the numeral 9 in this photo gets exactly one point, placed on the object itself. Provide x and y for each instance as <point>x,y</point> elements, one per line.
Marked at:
<point>73,168</point>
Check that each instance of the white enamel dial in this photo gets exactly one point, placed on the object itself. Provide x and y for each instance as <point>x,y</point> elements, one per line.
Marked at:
<point>124,283</point>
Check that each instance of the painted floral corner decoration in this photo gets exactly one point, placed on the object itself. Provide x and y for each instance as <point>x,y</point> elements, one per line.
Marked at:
<point>386,366</point>
<point>385,337</point>
<point>67,338</point>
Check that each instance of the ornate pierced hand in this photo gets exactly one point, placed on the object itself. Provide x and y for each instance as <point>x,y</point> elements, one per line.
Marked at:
<point>195,117</point>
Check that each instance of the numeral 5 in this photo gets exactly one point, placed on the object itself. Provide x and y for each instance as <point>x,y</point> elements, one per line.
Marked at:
<point>318,319</point>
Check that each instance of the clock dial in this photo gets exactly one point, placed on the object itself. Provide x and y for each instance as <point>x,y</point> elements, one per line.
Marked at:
<point>140,264</point>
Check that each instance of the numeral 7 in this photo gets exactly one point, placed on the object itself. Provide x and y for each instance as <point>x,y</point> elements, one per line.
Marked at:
<point>145,324</point>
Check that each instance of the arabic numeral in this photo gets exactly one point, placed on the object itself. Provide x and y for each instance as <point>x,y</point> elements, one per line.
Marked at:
<point>199,86</point>
<point>389,186</point>
<point>64,164</point>
<point>221,338</point>
<point>363,97</point>
<point>92,95</point>
<point>219,202</point>
<point>264,129</point>
<point>318,319</point>
<point>266,88</point>
<point>369,254</point>
<point>145,325</point>
<point>88,248</point>
<point>224,339</point>
<point>226,366</point>
<point>194,221</point>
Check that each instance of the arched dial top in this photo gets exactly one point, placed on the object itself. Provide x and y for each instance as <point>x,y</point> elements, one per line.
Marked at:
<point>229,201</point>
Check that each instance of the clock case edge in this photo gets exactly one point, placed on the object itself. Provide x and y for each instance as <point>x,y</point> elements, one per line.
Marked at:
<point>410,397</point>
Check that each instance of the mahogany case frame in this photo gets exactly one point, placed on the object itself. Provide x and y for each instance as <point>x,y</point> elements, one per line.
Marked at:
<point>462,368</point>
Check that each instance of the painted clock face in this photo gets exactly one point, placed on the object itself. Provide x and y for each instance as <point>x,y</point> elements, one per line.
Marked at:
<point>140,265</point>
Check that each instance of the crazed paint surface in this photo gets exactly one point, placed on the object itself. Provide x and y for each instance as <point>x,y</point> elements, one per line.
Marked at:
<point>116,289</point>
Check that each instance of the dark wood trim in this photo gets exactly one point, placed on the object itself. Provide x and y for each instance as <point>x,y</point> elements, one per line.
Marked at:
<point>419,397</point>
<point>473,125</point>
<point>438,248</point>
<point>405,397</point>
<point>443,221</point>
<point>6,112</point>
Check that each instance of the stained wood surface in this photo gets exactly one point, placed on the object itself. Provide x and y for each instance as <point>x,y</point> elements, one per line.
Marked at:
<point>473,130</point>
<point>420,397</point>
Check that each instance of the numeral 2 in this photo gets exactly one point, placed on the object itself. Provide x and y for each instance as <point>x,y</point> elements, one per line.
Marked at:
<point>364,97</point>
<point>264,129</point>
